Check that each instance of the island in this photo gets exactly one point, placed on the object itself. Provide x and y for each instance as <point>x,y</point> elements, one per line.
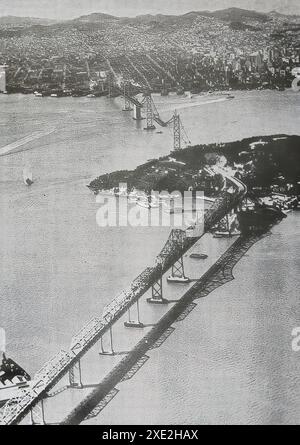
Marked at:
<point>268,165</point>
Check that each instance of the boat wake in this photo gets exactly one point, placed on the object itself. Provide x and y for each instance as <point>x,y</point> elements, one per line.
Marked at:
<point>25,140</point>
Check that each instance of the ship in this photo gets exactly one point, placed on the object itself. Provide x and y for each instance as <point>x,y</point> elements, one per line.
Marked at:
<point>259,218</point>
<point>13,378</point>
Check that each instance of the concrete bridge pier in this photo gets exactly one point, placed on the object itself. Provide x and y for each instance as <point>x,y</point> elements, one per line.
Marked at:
<point>75,376</point>
<point>111,352</point>
<point>157,293</point>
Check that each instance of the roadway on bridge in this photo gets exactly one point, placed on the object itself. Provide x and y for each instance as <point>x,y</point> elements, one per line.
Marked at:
<point>96,367</point>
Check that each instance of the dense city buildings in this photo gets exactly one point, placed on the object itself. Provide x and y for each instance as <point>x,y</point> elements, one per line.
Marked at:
<point>233,48</point>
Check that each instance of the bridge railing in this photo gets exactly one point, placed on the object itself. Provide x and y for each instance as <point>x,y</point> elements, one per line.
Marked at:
<point>175,246</point>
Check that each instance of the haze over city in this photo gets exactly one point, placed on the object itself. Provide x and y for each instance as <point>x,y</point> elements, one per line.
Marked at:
<point>66,9</point>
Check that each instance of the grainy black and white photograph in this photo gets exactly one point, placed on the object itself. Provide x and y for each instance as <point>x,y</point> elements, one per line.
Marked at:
<point>149,214</point>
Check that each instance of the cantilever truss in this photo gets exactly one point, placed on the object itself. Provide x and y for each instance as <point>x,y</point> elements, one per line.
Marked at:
<point>178,269</point>
<point>177,244</point>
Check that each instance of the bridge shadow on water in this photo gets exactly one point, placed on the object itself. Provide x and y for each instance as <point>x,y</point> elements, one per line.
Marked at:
<point>219,274</point>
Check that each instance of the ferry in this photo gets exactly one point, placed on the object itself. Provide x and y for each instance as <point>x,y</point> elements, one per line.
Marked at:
<point>12,379</point>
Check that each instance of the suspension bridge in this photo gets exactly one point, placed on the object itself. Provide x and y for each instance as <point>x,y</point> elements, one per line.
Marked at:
<point>131,103</point>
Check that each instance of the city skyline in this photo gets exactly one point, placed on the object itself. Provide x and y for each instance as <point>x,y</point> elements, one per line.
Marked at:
<point>68,9</point>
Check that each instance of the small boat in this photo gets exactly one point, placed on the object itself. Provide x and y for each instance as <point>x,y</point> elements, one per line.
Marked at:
<point>38,94</point>
<point>230,96</point>
<point>27,177</point>
<point>199,256</point>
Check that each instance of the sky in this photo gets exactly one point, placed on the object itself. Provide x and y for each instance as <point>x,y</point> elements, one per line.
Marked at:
<point>66,9</point>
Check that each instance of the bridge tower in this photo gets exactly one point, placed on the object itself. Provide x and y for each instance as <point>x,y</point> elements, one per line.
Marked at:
<point>157,291</point>
<point>132,323</point>
<point>126,94</point>
<point>177,131</point>
<point>75,377</point>
<point>177,270</point>
<point>149,112</point>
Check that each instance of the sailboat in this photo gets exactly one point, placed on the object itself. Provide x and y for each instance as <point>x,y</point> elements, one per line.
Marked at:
<point>27,177</point>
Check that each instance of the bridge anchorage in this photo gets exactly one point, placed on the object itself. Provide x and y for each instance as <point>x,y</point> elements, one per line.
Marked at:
<point>134,324</point>
<point>75,376</point>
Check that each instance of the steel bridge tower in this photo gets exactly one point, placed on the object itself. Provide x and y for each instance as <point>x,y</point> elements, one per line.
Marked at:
<point>149,112</point>
<point>177,131</point>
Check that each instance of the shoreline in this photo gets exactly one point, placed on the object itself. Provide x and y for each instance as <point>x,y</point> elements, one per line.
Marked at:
<point>171,93</point>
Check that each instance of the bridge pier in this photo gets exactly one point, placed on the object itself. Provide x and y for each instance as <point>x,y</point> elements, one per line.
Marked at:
<point>137,113</point>
<point>38,412</point>
<point>111,352</point>
<point>75,376</point>
<point>134,324</point>
<point>157,293</point>
<point>177,274</point>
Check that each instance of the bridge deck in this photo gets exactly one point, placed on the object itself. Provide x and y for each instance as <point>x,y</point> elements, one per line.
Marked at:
<point>176,245</point>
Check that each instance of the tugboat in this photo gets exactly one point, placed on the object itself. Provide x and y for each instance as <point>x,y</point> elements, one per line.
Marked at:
<point>12,379</point>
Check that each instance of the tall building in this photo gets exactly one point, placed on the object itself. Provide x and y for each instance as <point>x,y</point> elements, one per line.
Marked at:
<point>2,79</point>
